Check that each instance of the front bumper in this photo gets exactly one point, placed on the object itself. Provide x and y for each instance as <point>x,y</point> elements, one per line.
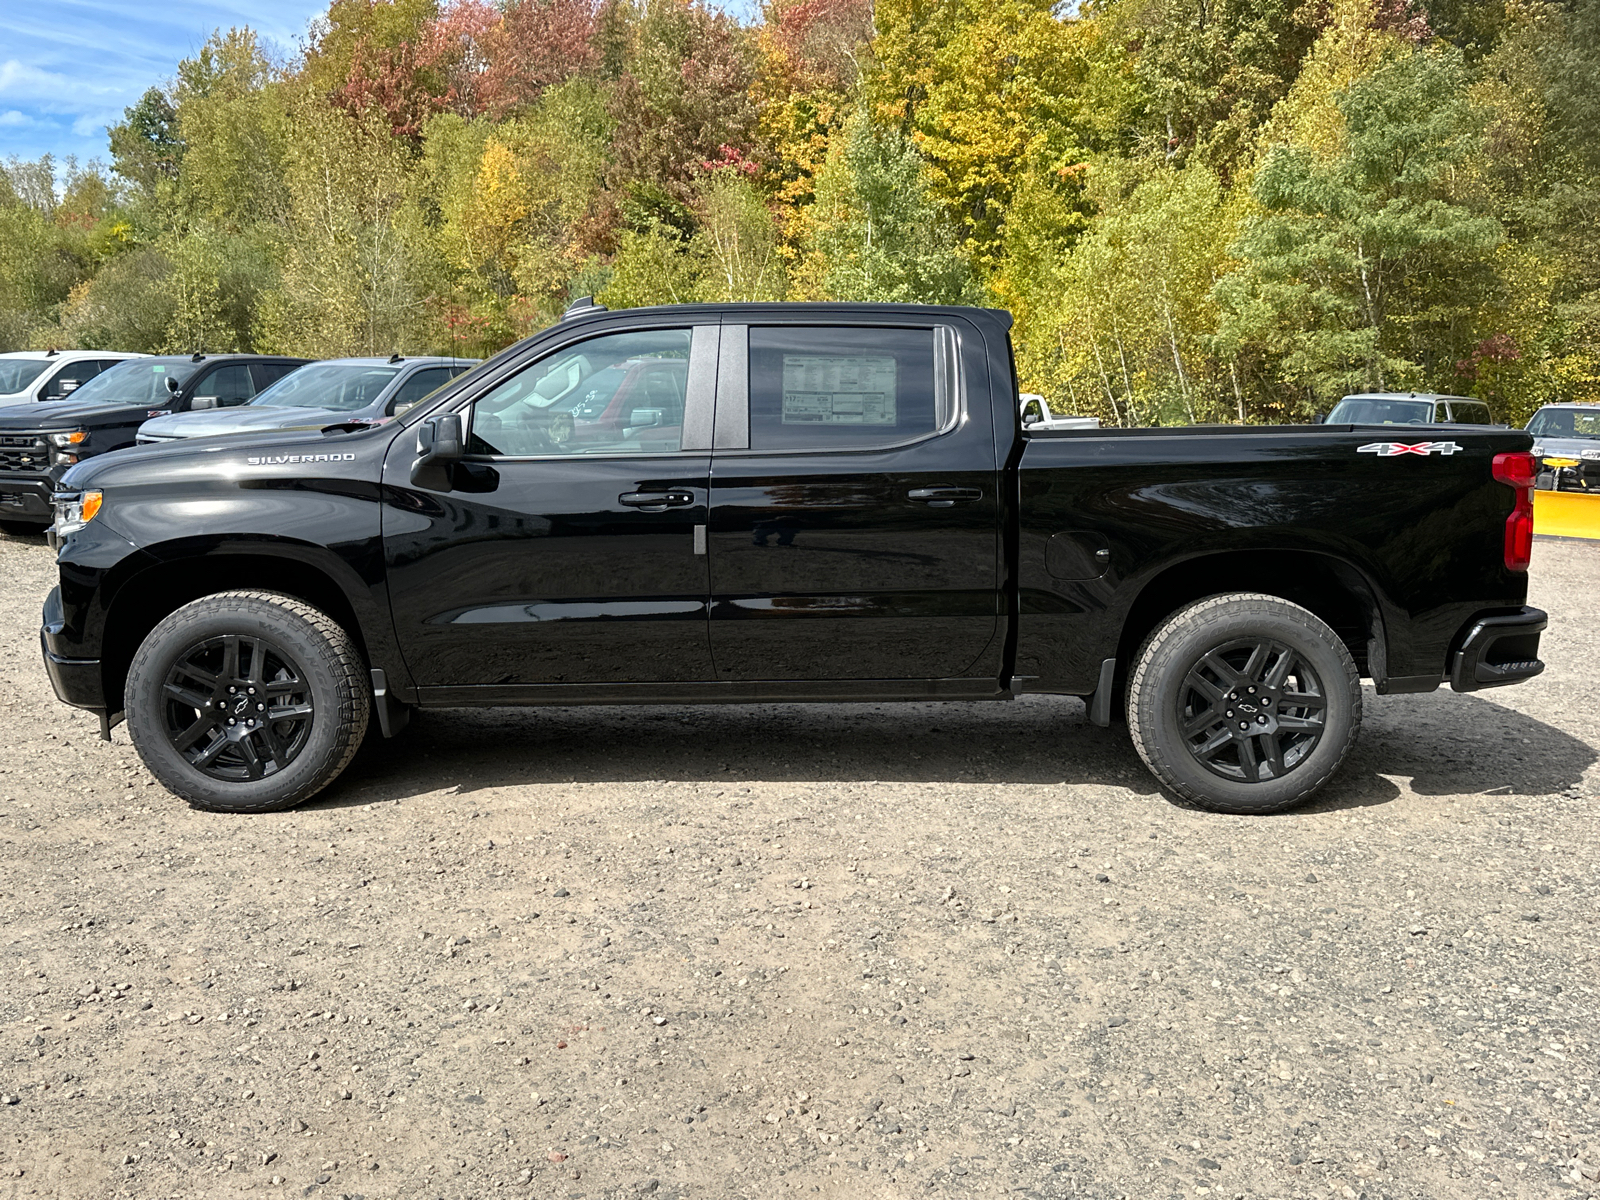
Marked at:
<point>77,681</point>
<point>27,498</point>
<point>1498,650</point>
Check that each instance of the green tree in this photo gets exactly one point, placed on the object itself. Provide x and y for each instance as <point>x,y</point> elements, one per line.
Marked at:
<point>877,235</point>
<point>233,119</point>
<point>351,276</point>
<point>1360,260</point>
<point>146,148</point>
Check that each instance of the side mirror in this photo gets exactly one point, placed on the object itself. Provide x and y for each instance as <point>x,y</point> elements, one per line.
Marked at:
<point>201,403</point>
<point>439,447</point>
<point>1318,418</point>
<point>646,418</point>
<point>1032,409</point>
<point>172,385</point>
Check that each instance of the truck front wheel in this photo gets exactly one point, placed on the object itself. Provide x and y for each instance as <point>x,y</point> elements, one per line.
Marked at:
<point>246,702</point>
<point>1244,703</point>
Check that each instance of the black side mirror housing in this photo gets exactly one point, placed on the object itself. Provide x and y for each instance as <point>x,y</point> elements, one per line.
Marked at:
<point>440,446</point>
<point>1318,418</point>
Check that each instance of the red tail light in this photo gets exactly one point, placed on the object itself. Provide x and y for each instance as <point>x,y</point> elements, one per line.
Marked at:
<point>1519,471</point>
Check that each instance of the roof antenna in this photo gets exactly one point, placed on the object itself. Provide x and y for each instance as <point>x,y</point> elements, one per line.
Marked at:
<point>396,357</point>
<point>583,304</point>
<point>52,352</point>
<point>198,355</point>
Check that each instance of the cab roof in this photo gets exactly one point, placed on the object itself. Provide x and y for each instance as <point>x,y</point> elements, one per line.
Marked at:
<point>1411,396</point>
<point>71,355</point>
<point>430,360</point>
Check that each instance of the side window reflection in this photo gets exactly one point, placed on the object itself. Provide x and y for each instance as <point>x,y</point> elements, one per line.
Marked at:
<point>618,394</point>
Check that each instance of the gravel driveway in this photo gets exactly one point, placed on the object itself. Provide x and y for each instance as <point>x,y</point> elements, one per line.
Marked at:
<point>866,951</point>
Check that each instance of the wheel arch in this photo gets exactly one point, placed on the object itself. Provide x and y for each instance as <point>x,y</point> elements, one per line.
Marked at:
<point>179,575</point>
<point>1334,589</point>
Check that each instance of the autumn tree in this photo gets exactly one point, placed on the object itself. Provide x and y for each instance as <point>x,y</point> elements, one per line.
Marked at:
<point>877,234</point>
<point>1359,255</point>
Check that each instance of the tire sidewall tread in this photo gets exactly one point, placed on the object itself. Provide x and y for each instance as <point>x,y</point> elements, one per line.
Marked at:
<point>328,655</point>
<point>1151,704</point>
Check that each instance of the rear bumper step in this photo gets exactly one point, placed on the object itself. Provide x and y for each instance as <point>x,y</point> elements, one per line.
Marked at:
<point>1499,650</point>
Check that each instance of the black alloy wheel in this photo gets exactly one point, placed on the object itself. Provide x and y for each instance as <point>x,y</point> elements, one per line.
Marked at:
<point>237,707</point>
<point>1252,710</point>
<point>247,701</point>
<point>1243,702</point>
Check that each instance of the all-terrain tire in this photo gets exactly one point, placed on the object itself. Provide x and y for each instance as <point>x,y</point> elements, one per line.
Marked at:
<point>1195,699</point>
<point>182,686</point>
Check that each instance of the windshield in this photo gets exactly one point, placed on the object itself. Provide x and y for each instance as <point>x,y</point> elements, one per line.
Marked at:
<point>338,387</point>
<point>136,381</point>
<point>1566,422</point>
<point>1360,411</point>
<point>18,373</point>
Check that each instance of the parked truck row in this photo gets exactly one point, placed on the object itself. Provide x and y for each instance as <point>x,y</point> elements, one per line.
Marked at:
<point>78,404</point>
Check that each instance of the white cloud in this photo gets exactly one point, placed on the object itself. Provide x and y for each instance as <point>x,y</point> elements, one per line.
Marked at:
<point>95,123</point>
<point>15,119</point>
<point>26,82</point>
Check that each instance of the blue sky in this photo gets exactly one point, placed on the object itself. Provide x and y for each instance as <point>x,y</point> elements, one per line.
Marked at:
<point>69,67</point>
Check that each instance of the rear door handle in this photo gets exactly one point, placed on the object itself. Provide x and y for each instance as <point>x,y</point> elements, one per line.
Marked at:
<point>675,498</point>
<point>944,497</point>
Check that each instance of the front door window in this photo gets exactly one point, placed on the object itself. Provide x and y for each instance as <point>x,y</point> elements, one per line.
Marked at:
<point>621,394</point>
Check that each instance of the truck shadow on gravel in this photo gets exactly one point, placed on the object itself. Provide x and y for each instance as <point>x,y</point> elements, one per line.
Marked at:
<point>1445,744</point>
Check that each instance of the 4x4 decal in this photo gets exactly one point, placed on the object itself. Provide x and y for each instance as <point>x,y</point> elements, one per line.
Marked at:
<point>1393,449</point>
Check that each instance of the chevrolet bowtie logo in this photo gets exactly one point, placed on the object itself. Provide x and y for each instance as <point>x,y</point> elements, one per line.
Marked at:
<point>1392,449</point>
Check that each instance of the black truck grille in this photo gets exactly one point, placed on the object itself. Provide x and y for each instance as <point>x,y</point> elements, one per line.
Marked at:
<point>23,452</point>
<point>29,460</point>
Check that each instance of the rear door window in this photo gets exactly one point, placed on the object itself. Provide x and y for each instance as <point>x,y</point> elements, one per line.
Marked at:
<point>1464,413</point>
<point>268,373</point>
<point>421,384</point>
<point>230,385</point>
<point>842,388</point>
<point>69,379</point>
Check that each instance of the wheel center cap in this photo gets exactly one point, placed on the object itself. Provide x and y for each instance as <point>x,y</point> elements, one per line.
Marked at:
<point>1250,712</point>
<point>241,705</point>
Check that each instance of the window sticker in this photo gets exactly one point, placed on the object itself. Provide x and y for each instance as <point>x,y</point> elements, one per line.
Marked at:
<point>838,389</point>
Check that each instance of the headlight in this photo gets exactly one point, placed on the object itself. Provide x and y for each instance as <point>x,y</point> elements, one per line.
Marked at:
<point>74,510</point>
<point>76,438</point>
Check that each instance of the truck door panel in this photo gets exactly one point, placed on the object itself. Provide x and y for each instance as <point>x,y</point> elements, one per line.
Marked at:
<point>854,526</point>
<point>567,552</point>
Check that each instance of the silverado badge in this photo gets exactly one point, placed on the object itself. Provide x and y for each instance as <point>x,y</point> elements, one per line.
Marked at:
<point>1391,449</point>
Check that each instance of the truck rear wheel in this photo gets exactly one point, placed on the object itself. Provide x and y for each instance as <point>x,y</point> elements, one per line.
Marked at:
<point>1244,703</point>
<point>247,702</point>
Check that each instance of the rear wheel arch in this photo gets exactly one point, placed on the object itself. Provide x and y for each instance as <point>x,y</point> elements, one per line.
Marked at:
<point>1335,590</point>
<point>147,597</point>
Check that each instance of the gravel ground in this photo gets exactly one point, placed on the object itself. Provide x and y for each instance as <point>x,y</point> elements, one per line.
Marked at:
<point>856,951</point>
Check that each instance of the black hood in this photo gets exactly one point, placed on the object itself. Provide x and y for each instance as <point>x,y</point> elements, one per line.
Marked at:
<point>224,454</point>
<point>69,414</point>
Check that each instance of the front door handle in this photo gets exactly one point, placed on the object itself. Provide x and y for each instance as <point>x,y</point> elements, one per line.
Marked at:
<point>675,498</point>
<point>944,497</point>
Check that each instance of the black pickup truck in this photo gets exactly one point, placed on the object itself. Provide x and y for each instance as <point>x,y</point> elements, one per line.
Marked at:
<point>41,440</point>
<point>756,503</point>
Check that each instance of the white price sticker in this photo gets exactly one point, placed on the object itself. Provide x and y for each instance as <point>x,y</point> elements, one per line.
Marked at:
<point>838,389</point>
